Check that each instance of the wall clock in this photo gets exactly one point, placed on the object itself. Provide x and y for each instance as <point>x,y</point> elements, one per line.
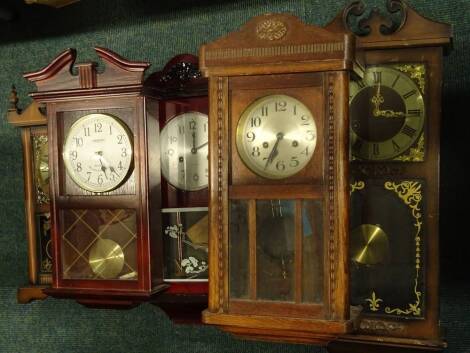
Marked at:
<point>184,130</point>
<point>395,117</point>
<point>37,206</point>
<point>278,147</point>
<point>105,180</point>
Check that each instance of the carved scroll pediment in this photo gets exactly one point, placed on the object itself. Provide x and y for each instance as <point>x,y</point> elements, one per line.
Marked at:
<point>399,26</point>
<point>59,74</point>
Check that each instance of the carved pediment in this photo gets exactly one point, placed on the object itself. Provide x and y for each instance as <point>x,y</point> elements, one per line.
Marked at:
<point>400,26</point>
<point>58,76</point>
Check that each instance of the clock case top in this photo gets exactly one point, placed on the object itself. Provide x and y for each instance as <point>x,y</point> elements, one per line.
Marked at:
<point>403,36</point>
<point>118,87</point>
<point>277,53</point>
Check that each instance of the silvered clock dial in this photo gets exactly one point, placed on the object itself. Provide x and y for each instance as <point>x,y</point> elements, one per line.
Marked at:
<point>276,136</point>
<point>184,151</point>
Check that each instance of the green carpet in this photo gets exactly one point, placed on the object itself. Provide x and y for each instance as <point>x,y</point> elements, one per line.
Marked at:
<point>155,31</point>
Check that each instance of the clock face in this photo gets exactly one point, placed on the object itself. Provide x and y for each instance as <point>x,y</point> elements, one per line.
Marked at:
<point>184,151</point>
<point>386,112</point>
<point>98,152</point>
<point>276,136</point>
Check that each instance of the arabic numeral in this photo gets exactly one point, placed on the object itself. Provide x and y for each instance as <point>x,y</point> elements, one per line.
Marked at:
<point>192,125</point>
<point>120,167</point>
<point>79,167</point>
<point>305,119</point>
<point>250,136</point>
<point>120,139</point>
<point>89,176</point>
<point>280,106</point>
<point>195,177</point>
<point>100,179</point>
<point>280,166</point>
<point>310,135</point>
<point>294,162</point>
<point>98,127</point>
<point>172,139</point>
<point>255,121</point>
<point>124,152</point>
<point>255,152</point>
<point>73,155</point>
<point>78,141</point>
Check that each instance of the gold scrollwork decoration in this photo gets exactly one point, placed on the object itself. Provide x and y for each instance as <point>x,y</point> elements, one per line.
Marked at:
<point>410,193</point>
<point>417,72</point>
<point>357,185</point>
<point>41,169</point>
<point>271,30</point>
<point>415,154</point>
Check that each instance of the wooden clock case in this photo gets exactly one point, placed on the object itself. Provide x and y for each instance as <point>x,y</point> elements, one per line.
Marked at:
<point>33,125</point>
<point>413,39</point>
<point>180,88</point>
<point>273,54</point>
<point>117,91</point>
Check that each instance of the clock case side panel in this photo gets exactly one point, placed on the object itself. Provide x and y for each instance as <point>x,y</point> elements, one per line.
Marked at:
<point>428,170</point>
<point>32,123</point>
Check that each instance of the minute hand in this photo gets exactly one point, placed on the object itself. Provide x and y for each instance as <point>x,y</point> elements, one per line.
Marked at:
<point>274,151</point>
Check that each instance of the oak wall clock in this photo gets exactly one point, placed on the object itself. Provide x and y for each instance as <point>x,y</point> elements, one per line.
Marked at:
<point>184,130</point>
<point>395,117</point>
<point>278,180</point>
<point>105,180</point>
<point>33,125</point>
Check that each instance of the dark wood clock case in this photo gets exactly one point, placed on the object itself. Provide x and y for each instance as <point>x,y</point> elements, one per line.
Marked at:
<point>400,195</point>
<point>180,88</point>
<point>129,214</point>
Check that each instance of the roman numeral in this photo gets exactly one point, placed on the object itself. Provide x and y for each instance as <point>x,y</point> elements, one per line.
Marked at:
<point>377,77</point>
<point>361,83</point>
<point>409,94</point>
<point>396,147</point>
<point>375,149</point>
<point>414,112</point>
<point>395,81</point>
<point>408,131</point>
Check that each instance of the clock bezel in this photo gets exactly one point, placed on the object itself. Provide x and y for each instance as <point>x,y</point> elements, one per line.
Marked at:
<point>240,131</point>
<point>69,167</point>
<point>168,122</point>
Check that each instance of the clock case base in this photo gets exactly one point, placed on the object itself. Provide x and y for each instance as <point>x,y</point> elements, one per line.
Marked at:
<point>258,327</point>
<point>383,344</point>
<point>105,298</point>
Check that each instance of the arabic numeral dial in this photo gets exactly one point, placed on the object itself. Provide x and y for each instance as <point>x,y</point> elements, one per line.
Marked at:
<point>276,136</point>
<point>98,152</point>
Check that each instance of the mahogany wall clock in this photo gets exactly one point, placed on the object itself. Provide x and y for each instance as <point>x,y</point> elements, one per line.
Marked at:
<point>278,180</point>
<point>105,180</point>
<point>395,117</point>
<point>33,125</point>
<point>184,131</point>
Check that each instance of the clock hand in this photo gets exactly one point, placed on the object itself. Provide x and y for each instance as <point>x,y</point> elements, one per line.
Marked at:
<point>194,149</point>
<point>201,146</point>
<point>274,151</point>
<point>103,168</point>
<point>377,100</point>
<point>390,114</point>
<point>113,171</point>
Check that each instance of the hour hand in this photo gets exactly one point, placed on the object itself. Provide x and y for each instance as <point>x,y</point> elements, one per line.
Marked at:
<point>274,152</point>
<point>390,114</point>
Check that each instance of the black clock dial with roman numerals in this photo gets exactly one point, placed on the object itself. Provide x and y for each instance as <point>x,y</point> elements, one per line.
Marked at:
<point>387,114</point>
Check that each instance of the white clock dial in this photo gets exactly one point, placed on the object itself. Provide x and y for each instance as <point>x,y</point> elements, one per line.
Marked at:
<point>184,149</point>
<point>276,136</point>
<point>98,152</point>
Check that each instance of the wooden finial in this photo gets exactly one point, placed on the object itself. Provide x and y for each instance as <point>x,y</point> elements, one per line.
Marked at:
<point>13,101</point>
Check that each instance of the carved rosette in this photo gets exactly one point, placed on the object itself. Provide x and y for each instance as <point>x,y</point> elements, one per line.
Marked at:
<point>271,29</point>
